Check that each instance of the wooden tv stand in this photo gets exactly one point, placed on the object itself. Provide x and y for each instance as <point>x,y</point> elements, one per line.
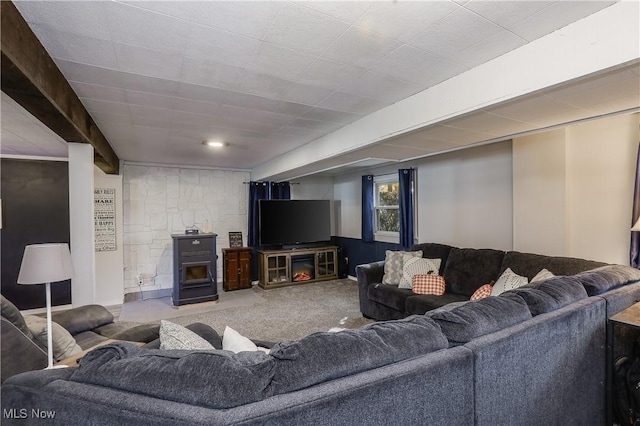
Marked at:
<point>279,268</point>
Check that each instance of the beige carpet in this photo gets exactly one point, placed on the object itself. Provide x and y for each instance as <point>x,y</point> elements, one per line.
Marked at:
<point>285,313</point>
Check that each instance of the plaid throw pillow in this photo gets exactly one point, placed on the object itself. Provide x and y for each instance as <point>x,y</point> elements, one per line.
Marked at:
<point>428,284</point>
<point>482,292</point>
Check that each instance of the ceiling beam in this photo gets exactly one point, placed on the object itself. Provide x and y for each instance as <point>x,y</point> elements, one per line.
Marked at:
<point>33,80</point>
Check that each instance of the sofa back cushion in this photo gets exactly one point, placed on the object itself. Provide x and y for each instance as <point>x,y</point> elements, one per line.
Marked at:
<point>528,264</point>
<point>83,318</point>
<point>477,318</point>
<point>468,269</point>
<point>434,251</point>
<point>605,278</point>
<point>213,378</point>
<point>549,295</point>
<point>324,356</point>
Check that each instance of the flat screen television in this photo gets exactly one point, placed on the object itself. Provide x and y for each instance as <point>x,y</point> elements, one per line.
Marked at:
<point>288,222</point>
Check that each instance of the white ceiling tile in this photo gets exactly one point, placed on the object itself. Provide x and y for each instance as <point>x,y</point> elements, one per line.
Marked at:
<point>407,63</point>
<point>507,13</point>
<point>143,28</point>
<point>139,60</point>
<point>379,86</point>
<point>86,18</point>
<point>207,42</point>
<point>262,103</point>
<point>404,20</point>
<point>150,99</point>
<point>536,109</point>
<point>347,11</point>
<point>209,73</point>
<point>158,136</point>
<point>97,106</point>
<point>303,29</point>
<point>76,48</point>
<point>89,74</point>
<point>445,37</point>
<point>347,102</point>
<point>322,126</point>
<point>178,9</point>
<point>198,107</point>
<point>360,48</point>
<point>94,91</point>
<point>277,88</point>
<point>557,15</point>
<point>323,114</point>
<point>143,83</point>
<point>305,94</point>
<point>329,74</point>
<point>249,18</point>
<point>488,49</point>
<point>202,93</point>
<point>279,61</point>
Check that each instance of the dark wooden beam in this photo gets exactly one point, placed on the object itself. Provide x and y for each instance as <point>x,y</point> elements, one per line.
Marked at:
<point>33,80</point>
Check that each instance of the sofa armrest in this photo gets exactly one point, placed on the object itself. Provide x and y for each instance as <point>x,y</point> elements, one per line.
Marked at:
<point>19,352</point>
<point>367,274</point>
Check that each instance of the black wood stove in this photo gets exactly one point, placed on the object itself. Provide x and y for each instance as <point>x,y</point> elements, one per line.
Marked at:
<point>194,268</point>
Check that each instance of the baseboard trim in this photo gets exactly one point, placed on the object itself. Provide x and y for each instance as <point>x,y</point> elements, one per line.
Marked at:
<point>148,294</point>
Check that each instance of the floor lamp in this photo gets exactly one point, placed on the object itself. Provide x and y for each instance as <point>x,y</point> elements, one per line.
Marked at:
<point>45,264</point>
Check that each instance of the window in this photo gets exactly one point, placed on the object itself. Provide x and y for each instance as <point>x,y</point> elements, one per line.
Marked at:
<point>387,205</point>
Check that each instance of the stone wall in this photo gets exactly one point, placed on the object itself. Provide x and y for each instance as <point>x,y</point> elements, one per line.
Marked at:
<point>159,201</point>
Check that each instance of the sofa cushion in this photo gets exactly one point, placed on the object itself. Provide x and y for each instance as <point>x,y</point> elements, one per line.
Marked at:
<point>213,378</point>
<point>393,264</point>
<point>13,315</point>
<point>528,264</point>
<point>417,266</point>
<point>468,269</point>
<point>605,278</point>
<point>83,318</point>
<point>419,304</point>
<point>482,292</point>
<point>389,295</point>
<point>63,343</point>
<point>549,295</point>
<point>324,356</point>
<point>480,317</point>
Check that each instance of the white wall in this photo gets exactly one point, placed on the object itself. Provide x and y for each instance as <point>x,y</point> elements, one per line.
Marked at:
<point>573,189</point>
<point>464,198</point>
<point>159,201</point>
<point>110,264</point>
<point>540,193</point>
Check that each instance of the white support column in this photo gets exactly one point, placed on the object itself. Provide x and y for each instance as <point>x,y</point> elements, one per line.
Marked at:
<point>81,223</point>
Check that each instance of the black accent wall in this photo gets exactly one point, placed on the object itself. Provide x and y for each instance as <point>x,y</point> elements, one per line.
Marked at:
<point>35,209</point>
<point>359,252</point>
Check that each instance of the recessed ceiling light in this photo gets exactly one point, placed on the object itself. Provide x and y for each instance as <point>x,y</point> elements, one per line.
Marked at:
<point>215,144</point>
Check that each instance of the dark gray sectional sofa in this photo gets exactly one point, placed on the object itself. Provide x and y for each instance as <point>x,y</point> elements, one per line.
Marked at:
<point>530,356</point>
<point>464,271</point>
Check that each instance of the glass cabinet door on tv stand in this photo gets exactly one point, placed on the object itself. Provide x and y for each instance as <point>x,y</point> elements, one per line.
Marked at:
<point>277,268</point>
<point>326,263</point>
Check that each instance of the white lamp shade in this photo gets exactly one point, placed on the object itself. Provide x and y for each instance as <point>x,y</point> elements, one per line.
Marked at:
<point>45,263</point>
<point>636,227</point>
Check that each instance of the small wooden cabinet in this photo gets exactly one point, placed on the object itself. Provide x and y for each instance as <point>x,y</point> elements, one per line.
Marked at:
<point>236,268</point>
<point>280,268</point>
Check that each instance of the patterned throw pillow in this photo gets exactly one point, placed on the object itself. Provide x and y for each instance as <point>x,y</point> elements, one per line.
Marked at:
<point>544,274</point>
<point>482,292</point>
<point>393,263</point>
<point>428,284</point>
<point>417,266</point>
<point>174,336</point>
<point>508,281</point>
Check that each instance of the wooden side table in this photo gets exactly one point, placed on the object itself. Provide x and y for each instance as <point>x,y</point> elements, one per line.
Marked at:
<point>236,268</point>
<point>629,318</point>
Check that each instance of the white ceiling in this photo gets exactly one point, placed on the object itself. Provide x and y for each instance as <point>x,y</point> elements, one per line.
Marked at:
<point>159,77</point>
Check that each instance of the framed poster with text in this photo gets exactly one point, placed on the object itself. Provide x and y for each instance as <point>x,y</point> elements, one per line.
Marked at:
<point>104,218</point>
<point>235,239</point>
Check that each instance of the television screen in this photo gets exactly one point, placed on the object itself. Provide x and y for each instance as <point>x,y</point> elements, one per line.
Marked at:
<point>294,221</point>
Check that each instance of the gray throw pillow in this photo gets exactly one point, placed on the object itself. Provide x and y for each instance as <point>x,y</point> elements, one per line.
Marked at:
<point>393,264</point>
<point>174,336</point>
<point>64,345</point>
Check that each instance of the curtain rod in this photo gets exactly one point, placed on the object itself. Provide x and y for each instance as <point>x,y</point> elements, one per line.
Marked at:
<point>266,181</point>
